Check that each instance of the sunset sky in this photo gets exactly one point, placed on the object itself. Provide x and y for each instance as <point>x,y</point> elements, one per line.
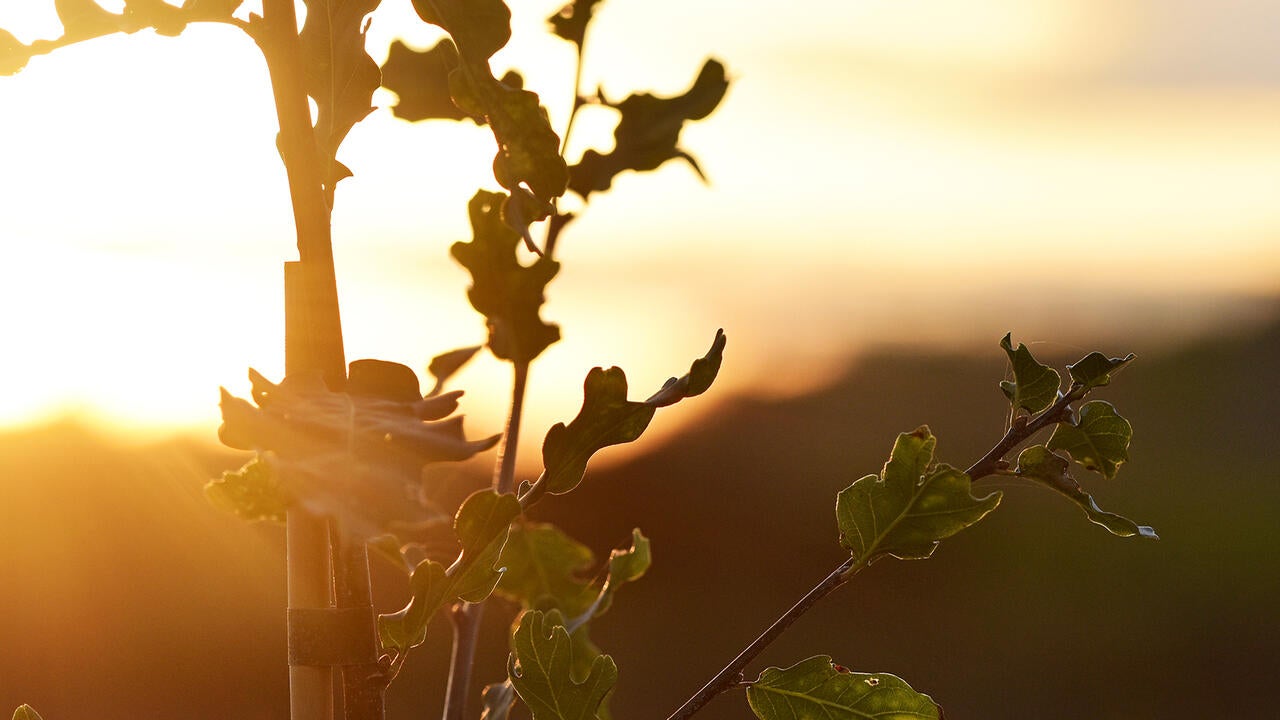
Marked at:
<point>882,170</point>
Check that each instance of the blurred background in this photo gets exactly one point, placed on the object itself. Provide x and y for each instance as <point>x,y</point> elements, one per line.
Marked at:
<point>894,185</point>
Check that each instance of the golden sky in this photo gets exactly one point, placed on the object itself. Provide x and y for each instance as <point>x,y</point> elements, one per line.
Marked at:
<point>881,170</point>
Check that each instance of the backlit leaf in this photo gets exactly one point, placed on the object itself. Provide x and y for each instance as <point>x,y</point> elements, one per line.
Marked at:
<point>26,712</point>
<point>541,670</point>
<point>1040,464</point>
<point>251,493</point>
<point>13,54</point>
<point>407,628</point>
<point>545,568</point>
<point>816,689</point>
<point>508,294</point>
<point>625,566</point>
<point>340,76</point>
<point>910,507</point>
<point>1098,440</point>
<point>1094,370</point>
<point>421,80</point>
<point>444,366</point>
<point>165,18</point>
<point>572,20</point>
<point>482,525</point>
<point>356,456</point>
<point>1034,386</point>
<point>608,418</point>
<point>648,134</point>
<point>528,149</point>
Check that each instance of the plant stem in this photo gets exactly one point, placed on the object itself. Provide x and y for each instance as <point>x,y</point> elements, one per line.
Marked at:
<point>467,617</point>
<point>731,675</point>
<point>1022,429</point>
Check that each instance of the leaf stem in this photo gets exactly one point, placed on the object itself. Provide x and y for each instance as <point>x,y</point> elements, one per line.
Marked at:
<point>467,617</point>
<point>731,675</point>
<point>1023,428</point>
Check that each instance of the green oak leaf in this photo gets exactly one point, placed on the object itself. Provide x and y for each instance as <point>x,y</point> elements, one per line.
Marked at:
<point>429,591</point>
<point>544,569</point>
<point>1094,370</point>
<point>482,524</point>
<point>1046,467</point>
<point>572,20</point>
<point>608,418</point>
<point>340,76</point>
<point>910,507</point>
<point>1034,386</point>
<point>1098,439</point>
<point>648,134</point>
<point>507,293</point>
<point>816,689</point>
<point>528,148</point>
<point>26,712</point>
<point>444,366</point>
<point>625,566</point>
<point>541,668</point>
<point>251,493</point>
<point>421,80</point>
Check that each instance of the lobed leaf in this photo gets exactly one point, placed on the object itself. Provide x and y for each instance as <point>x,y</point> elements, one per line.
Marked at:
<point>625,566</point>
<point>340,76</point>
<point>648,133</point>
<point>26,712</point>
<point>1034,386</point>
<point>572,20</point>
<point>541,670</point>
<point>357,455</point>
<point>608,418</point>
<point>528,149</point>
<point>816,689</point>
<point>910,506</point>
<point>1094,370</point>
<point>482,525</point>
<point>1046,467</point>
<point>421,80</point>
<point>251,493</point>
<point>544,570</point>
<point>1098,439</point>
<point>508,294</point>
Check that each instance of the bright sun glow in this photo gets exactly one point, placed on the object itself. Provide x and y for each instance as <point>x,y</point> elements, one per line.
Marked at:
<point>889,148</point>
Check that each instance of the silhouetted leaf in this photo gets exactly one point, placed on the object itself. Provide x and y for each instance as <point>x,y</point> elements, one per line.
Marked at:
<point>1098,439</point>
<point>910,507</point>
<point>507,293</point>
<point>26,712</point>
<point>251,493</point>
<point>1034,386</point>
<point>13,54</point>
<point>1038,463</point>
<point>648,134</point>
<point>816,689</point>
<point>541,669</point>
<point>1094,369</point>
<point>85,18</point>
<point>483,524</point>
<point>571,22</point>
<point>165,18</point>
<point>544,567</point>
<point>340,76</point>
<point>608,418</point>
<point>444,366</point>
<point>528,149</point>
<point>356,457</point>
<point>421,80</point>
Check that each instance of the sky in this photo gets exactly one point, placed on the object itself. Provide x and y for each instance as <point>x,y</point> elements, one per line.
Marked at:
<point>882,171</point>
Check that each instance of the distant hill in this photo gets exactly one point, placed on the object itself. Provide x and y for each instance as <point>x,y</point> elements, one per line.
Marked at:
<point>125,596</point>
